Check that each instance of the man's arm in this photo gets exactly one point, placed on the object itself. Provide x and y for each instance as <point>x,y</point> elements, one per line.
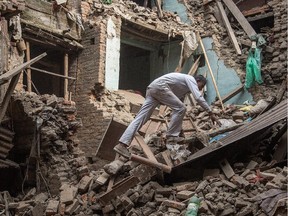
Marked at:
<point>193,87</point>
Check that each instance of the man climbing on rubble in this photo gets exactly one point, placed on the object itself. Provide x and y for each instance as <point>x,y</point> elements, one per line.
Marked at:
<point>170,90</point>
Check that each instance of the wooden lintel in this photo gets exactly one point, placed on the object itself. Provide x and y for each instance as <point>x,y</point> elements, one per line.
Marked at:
<point>240,18</point>
<point>229,28</point>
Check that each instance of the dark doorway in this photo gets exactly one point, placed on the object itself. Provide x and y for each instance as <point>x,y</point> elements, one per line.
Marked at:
<point>43,83</point>
<point>134,68</point>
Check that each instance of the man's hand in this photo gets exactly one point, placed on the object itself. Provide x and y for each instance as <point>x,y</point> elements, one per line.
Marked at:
<point>214,118</point>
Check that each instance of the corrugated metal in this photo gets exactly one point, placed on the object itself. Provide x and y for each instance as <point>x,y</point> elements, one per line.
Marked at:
<point>250,129</point>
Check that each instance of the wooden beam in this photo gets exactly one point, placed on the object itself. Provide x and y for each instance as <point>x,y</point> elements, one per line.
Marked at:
<point>151,163</point>
<point>194,67</point>
<point>240,18</point>
<point>6,76</point>
<point>210,71</point>
<point>15,74</point>
<point>53,74</point>
<point>231,94</point>
<point>66,93</point>
<point>228,28</point>
<point>119,189</point>
<point>29,81</point>
<point>147,151</point>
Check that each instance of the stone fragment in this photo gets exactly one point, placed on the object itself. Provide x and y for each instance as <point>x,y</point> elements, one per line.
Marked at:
<point>84,184</point>
<point>70,209</point>
<point>174,204</point>
<point>52,207</point>
<point>183,195</point>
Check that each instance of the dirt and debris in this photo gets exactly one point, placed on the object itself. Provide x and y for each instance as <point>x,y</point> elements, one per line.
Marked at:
<point>39,145</point>
<point>68,186</point>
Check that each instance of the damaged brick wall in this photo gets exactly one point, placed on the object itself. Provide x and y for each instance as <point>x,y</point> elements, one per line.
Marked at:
<point>91,62</point>
<point>91,70</point>
<point>278,66</point>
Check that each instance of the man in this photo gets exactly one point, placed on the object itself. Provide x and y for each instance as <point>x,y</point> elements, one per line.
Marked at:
<point>169,89</point>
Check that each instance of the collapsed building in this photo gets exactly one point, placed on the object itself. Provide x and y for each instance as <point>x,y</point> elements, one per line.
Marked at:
<point>74,73</point>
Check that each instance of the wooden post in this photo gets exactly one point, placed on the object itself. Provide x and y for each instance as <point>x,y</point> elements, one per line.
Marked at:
<point>148,162</point>
<point>228,27</point>
<point>210,71</point>
<point>66,94</point>
<point>28,58</point>
<point>145,3</point>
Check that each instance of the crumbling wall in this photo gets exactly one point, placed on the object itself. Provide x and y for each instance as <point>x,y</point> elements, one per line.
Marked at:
<point>278,67</point>
<point>91,68</point>
<point>10,37</point>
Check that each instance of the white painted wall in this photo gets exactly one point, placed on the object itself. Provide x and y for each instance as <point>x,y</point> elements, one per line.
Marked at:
<point>112,57</point>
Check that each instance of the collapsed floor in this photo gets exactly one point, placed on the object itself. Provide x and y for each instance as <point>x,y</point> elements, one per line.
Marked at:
<point>58,179</point>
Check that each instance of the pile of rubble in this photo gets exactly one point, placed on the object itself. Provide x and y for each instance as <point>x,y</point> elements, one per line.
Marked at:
<point>65,185</point>
<point>132,11</point>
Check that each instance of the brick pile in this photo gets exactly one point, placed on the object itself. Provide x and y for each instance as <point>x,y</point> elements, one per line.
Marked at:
<point>70,187</point>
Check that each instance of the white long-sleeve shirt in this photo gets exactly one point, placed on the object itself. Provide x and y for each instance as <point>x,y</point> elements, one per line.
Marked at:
<point>181,84</point>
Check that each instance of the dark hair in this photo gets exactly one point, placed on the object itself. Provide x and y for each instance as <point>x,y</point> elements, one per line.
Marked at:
<point>201,78</point>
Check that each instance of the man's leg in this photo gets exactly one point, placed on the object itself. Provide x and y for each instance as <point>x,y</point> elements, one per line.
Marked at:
<point>141,118</point>
<point>167,97</point>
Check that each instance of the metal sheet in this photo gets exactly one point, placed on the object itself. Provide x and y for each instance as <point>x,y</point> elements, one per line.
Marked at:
<point>241,136</point>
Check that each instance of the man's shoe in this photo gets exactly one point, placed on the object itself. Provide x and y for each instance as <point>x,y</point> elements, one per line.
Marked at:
<point>122,150</point>
<point>174,139</point>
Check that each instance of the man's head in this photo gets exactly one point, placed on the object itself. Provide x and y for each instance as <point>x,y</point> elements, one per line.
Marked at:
<point>201,81</point>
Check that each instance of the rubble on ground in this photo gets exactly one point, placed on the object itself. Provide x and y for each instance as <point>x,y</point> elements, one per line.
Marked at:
<point>69,187</point>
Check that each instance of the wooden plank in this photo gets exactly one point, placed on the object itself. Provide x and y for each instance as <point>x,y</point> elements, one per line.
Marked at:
<point>66,91</point>
<point>8,94</point>
<point>110,139</point>
<point>7,76</point>
<point>119,189</point>
<point>231,94</point>
<point>229,28</point>
<point>153,127</point>
<point>194,67</point>
<point>167,158</point>
<point>147,151</point>
<point>53,74</point>
<point>240,18</point>
<point>205,2</point>
<point>210,71</point>
<point>144,128</point>
<point>29,81</point>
